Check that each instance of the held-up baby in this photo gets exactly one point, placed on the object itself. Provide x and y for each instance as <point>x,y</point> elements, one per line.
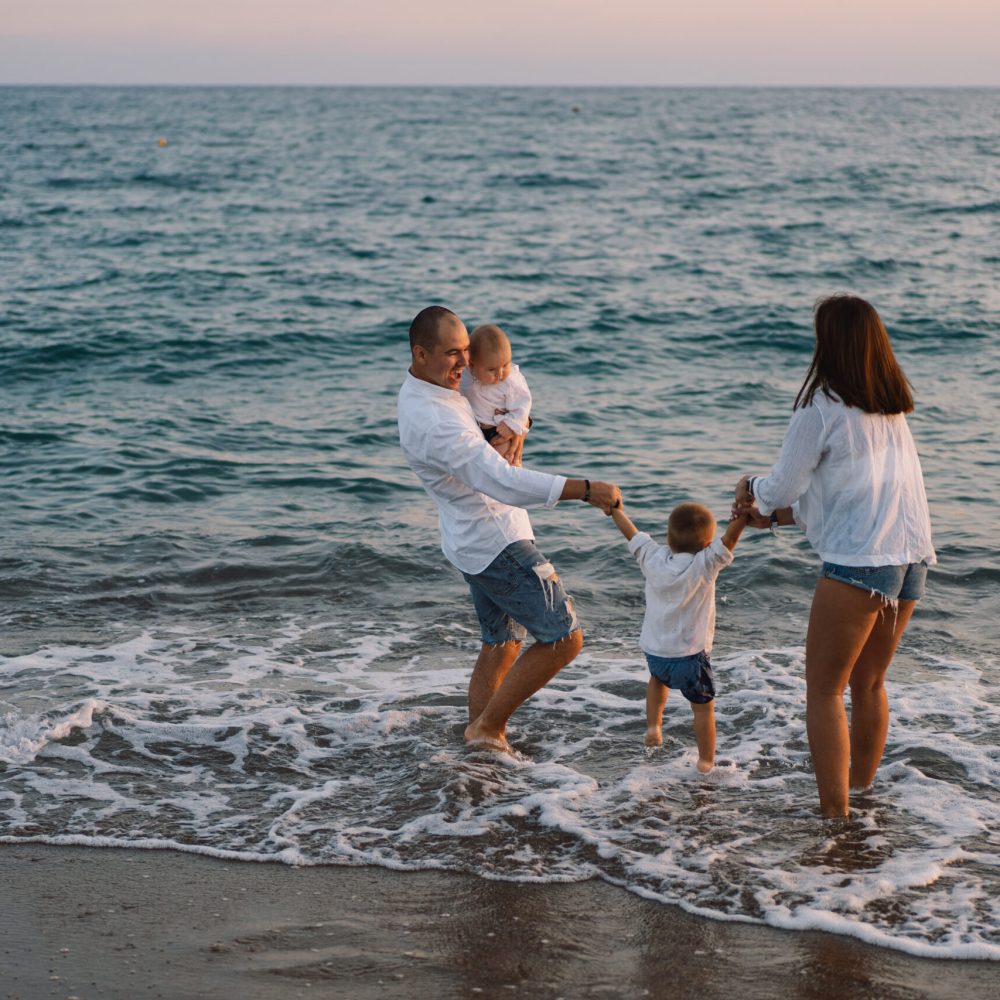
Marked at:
<point>494,386</point>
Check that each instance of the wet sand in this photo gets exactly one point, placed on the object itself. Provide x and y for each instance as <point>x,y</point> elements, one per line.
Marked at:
<point>129,924</point>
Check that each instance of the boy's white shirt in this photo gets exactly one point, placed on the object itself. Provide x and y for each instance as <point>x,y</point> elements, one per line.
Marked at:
<point>512,396</point>
<point>680,596</point>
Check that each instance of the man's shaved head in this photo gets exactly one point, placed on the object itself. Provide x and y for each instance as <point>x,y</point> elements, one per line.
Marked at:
<point>426,324</point>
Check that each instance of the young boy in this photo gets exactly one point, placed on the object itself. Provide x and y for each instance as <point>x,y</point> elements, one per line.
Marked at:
<point>495,388</point>
<point>679,625</point>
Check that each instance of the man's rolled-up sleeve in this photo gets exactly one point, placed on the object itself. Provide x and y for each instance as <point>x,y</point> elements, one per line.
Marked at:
<point>464,453</point>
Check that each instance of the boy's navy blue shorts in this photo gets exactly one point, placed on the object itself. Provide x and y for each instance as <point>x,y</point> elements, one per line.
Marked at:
<point>692,675</point>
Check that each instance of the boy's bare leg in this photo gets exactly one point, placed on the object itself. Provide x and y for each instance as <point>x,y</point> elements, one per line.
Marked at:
<point>869,704</point>
<point>840,622</point>
<point>491,668</point>
<point>534,668</point>
<point>704,734</point>
<point>656,699</point>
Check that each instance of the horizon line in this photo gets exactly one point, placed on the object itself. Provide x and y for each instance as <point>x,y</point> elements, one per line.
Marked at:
<point>516,86</point>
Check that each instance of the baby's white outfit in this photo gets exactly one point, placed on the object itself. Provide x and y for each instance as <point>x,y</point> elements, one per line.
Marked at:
<point>506,402</point>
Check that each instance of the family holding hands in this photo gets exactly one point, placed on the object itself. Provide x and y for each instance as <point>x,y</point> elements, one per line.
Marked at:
<point>848,474</point>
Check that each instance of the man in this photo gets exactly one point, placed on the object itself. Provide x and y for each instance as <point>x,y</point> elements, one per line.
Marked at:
<point>485,531</point>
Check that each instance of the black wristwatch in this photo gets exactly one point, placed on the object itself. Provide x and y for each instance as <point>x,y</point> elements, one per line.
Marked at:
<point>586,491</point>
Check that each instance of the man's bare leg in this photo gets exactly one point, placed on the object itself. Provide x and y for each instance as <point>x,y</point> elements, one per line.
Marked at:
<point>535,667</point>
<point>491,668</point>
<point>656,699</point>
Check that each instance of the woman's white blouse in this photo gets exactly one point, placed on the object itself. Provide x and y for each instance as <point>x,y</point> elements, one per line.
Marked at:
<point>854,482</point>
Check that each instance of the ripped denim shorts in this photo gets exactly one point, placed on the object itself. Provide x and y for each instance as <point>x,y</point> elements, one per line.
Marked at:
<point>892,583</point>
<point>520,592</point>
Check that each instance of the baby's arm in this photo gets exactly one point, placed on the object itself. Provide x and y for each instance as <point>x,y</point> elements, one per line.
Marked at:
<point>518,402</point>
<point>733,531</point>
<point>625,525</point>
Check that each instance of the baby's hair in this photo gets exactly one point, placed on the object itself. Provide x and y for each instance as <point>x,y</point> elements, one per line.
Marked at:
<point>690,528</point>
<point>487,339</point>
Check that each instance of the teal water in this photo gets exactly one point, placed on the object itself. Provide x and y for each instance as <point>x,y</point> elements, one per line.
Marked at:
<point>227,625</point>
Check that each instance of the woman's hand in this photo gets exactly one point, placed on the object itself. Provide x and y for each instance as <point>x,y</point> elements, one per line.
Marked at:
<point>744,497</point>
<point>749,510</point>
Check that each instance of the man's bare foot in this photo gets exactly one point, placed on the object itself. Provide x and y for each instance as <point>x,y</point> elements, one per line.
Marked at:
<point>704,766</point>
<point>482,739</point>
<point>654,737</point>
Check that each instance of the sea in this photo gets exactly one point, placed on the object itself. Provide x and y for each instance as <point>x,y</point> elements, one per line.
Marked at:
<point>227,625</point>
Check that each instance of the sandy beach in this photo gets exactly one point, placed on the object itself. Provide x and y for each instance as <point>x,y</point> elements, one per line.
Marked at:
<point>125,924</point>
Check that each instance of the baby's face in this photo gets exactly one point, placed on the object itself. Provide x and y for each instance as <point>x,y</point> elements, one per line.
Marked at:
<point>491,367</point>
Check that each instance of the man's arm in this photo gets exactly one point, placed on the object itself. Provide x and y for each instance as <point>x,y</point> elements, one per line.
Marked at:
<point>607,496</point>
<point>460,450</point>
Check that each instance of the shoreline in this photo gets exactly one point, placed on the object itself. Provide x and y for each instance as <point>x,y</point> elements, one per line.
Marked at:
<point>119,924</point>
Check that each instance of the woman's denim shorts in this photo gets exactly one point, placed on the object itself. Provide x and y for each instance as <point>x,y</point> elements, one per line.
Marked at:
<point>893,583</point>
<point>521,592</point>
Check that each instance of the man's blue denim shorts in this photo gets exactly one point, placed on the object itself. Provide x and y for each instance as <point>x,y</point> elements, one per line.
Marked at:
<point>520,592</point>
<point>893,583</point>
<point>691,674</point>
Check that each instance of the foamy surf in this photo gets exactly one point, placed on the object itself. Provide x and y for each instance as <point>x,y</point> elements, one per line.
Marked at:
<point>311,748</point>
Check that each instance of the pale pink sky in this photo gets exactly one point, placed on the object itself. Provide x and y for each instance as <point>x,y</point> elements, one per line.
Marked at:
<point>841,42</point>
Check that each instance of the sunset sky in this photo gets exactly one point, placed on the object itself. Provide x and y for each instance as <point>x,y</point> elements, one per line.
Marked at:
<point>847,42</point>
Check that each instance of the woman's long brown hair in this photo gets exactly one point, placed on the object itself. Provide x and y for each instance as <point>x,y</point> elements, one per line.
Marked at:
<point>853,359</point>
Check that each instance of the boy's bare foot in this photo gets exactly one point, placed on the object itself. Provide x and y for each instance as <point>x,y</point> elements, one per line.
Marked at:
<point>654,737</point>
<point>704,766</point>
<point>482,739</point>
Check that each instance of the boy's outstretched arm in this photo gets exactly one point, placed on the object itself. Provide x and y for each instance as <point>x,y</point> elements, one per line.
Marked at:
<point>625,525</point>
<point>733,531</point>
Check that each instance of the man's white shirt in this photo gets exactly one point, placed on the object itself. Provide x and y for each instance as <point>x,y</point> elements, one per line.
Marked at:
<point>479,495</point>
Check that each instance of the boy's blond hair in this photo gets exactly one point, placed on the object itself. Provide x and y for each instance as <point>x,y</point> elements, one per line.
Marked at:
<point>487,339</point>
<point>690,528</point>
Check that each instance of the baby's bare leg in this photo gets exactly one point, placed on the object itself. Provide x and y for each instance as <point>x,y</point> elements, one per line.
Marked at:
<point>656,699</point>
<point>704,733</point>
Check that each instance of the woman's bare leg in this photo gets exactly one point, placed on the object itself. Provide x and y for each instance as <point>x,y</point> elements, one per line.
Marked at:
<point>656,699</point>
<point>869,704</point>
<point>840,622</point>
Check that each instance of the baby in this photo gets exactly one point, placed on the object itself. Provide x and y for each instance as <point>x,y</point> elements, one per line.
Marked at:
<point>679,625</point>
<point>495,388</point>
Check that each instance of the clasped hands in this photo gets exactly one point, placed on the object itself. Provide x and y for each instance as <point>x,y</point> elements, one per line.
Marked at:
<point>744,505</point>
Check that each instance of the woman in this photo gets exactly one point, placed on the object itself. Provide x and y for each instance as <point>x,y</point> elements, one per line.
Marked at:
<point>849,474</point>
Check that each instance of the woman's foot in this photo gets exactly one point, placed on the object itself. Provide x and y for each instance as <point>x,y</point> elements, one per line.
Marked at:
<point>704,766</point>
<point>480,738</point>
<point>654,736</point>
